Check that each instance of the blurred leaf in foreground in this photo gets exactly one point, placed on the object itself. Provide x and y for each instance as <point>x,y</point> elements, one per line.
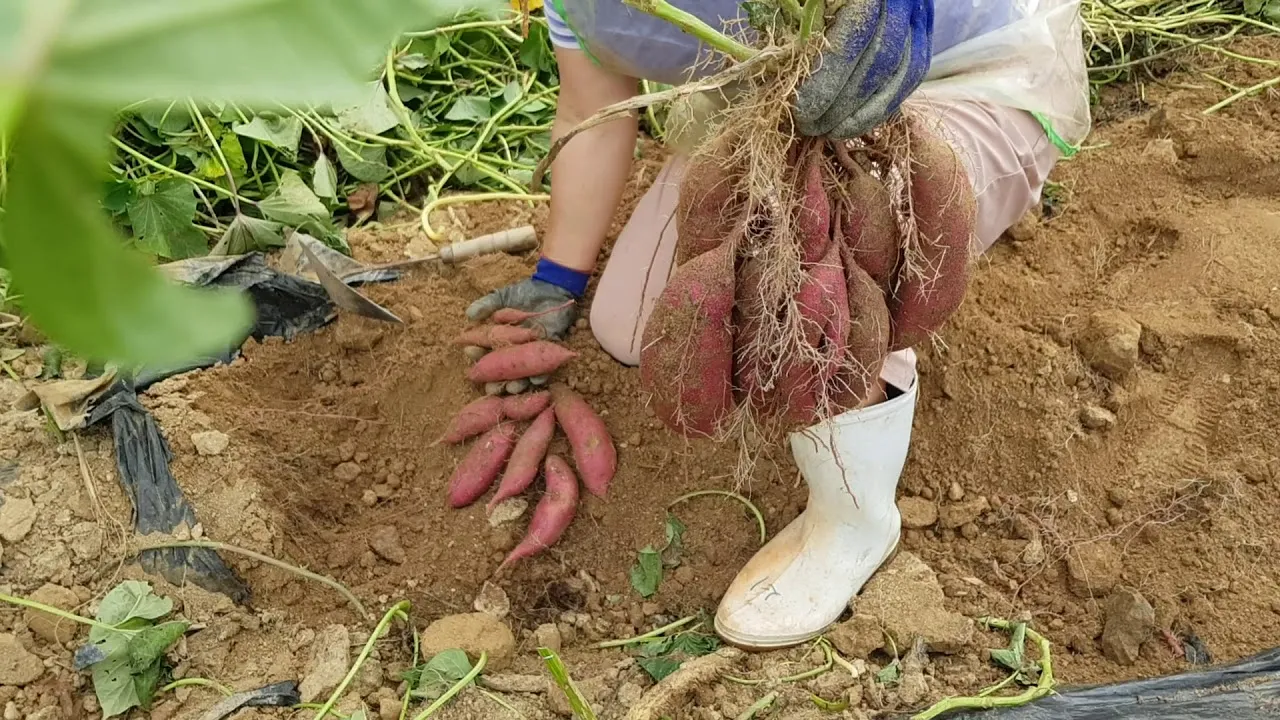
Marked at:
<point>68,66</point>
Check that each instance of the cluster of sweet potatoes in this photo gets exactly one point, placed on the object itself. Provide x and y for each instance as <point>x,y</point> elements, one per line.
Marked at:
<point>513,436</point>
<point>873,270</point>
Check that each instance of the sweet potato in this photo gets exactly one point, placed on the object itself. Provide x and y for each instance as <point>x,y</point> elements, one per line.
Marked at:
<point>552,516</point>
<point>824,308</point>
<point>512,316</point>
<point>497,336</point>
<point>540,357</point>
<point>593,450</point>
<point>932,285</point>
<point>686,360</point>
<point>708,209</point>
<point>868,339</point>
<point>813,217</point>
<point>526,458</point>
<point>481,466</point>
<point>478,416</point>
<point>867,226</point>
<point>525,407</point>
<point>748,309</point>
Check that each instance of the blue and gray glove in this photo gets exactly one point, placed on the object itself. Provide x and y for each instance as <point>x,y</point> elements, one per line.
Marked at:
<point>879,54</point>
<point>552,293</point>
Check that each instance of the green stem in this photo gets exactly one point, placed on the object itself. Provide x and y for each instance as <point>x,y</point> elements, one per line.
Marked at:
<point>57,612</point>
<point>689,23</point>
<point>1043,688</point>
<point>267,559</point>
<point>217,149</point>
<point>647,636</point>
<point>758,707</point>
<point>408,691</point>
<point>400,610</point>
<point>197,682</point>
<point>178,173</point>
<point>1251,90</point>
<point>457,688</point>
<point>792,8</point>
<point>725,493</point>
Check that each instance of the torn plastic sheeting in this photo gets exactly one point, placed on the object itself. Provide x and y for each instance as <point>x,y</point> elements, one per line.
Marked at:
<point>281,694</point>
<point>142,459</point>
<point>1246,690</point>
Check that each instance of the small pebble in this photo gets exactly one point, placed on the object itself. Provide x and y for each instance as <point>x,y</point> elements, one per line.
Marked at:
<point>494,388</point>
<point>473,352</point>
<point>369,498</point>
<point>1115,518</point>
<point>955,492</point>
<point>969,531</point>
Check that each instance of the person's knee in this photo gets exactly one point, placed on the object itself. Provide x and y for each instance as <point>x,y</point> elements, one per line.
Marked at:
<point>616,335</point>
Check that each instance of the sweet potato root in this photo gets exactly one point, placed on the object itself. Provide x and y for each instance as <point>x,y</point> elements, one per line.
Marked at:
<point>478,416</point>
<point>512,316</point>
<point>593,451</point>
<point>525,406</point>
<point>867,226</point>
<point>477,471</point>
<point>687,358</point>
<point>526,458</point>
<point>813,217</point>
<point>552,516</point>
<point>540,357</point>
<point>932,285</point>
<point>868,339</point>
<point>497,336</point>
<point>823,305</point>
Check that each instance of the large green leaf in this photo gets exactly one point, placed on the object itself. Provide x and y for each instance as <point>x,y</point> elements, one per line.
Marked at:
<point>67,65</point>
<point>161,214</point>
<point>246,234</point>
<point>366,163</point>
<point>256,52</point>
<point>283,134</point>
<point>293,203</point>
<point>80,284</point>
<point>373,116</point>
<point>132,599</point>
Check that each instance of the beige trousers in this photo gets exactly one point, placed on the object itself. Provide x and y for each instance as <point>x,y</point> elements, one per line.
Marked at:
<point>1006,152</point>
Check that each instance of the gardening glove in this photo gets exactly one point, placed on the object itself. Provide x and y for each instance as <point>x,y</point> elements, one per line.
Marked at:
<point>556,307</point>
<point>879,54</point>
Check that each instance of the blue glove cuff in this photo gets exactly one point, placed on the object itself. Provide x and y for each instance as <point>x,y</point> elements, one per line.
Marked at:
<point>571,281</point>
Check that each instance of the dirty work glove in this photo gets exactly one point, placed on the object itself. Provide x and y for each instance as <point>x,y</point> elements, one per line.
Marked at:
<point>878,54</point>
<point>552,293</point>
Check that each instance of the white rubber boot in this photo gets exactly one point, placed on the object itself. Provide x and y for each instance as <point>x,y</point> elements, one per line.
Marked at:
<point>801,581</point>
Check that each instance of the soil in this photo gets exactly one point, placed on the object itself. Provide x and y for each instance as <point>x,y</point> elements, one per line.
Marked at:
<point>1102,412</point>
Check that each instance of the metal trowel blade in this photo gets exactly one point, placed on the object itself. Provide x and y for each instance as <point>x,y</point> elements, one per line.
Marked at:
<point>344,296</point>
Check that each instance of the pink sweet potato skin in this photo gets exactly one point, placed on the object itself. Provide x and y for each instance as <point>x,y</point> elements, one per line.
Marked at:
<point>946,214</point>
<point>526,406</point>
<point>477,471</point>
<point>868,339</point>
<point>813,218</point>
<point>824,308</point>
<point>867,227</point>
<point>540,357</point>
<point>526,458</point>
<point>593,451</point>
<point>708,209</point>
<point>478,416</point>
<point>686,363</point>
<point>552,516</point>
<point>497,336</point>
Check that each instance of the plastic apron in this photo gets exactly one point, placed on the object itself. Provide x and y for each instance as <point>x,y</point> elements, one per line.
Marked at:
<point>1025,54</point>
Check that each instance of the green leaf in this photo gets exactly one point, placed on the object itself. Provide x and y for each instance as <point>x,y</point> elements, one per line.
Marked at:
<point>366,163</point>
<point>132,599</point>
<point>695,644</point>
<point>113,685</point>
<point>247,234</point>
<point>145,682</point>
<point>535,50</point>
<point>474,108</point>
<point>281,133</point>
<point>658,667</point>
<point>441,673</point>
<point>293,203</point>
<point>161,215</point>
<point>150,644</point>
<point>413,61</point>
<point>646,574</point>
<point>291,52</point>
<point>324,178</point>
<point>168,118</point>
<point>373,116</point>
<point>233,151</point>
<point>119,195</point>
<point>1013,657</point>
<point>890,674</point>
<point>511,92</point>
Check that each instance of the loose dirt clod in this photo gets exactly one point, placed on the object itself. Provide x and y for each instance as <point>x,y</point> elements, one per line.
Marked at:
<point>665,698</point>
<point>17,515</point>
<point>17,666</point>
<point>1130,620</point>
<point>905,598</point>
<point>330,658</point>
<point>1111,343</point>
<point>1093,570</point>
<point>472,632</point>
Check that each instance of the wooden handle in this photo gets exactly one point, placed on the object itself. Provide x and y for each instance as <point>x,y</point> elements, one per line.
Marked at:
<point>513,240</point>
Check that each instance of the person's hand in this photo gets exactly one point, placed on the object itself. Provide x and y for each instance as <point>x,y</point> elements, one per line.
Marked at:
<point>547,307</point>
<point>879,54</point>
